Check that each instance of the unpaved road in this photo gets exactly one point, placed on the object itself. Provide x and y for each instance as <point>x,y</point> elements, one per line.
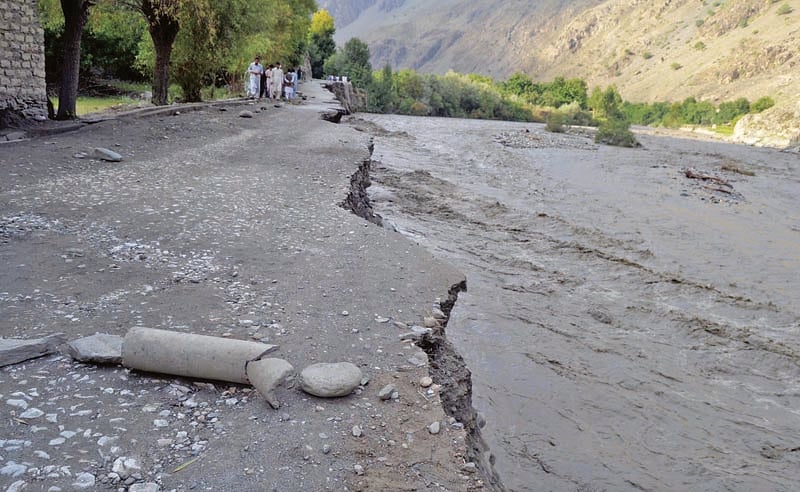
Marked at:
<point>226,226</point>
<point>628,328</point>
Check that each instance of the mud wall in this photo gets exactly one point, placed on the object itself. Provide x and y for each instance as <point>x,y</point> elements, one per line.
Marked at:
<point>351,98</point>
<point>22,85</point>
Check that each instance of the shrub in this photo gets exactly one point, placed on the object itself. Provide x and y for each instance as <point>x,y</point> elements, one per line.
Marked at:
<point>699,22</point>
<point>784,9</point>
<point>676,66</point>
<point>647,55</point>
<point>762,104</point>
<point>616,132</point>
<point>555,122</point>
<point>700,45</point>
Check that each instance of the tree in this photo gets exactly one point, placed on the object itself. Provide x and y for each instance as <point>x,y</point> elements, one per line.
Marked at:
<point>320,41</point>
<point>75,14</point>
<point>163,25</point>
<point>382,96</point>
<point>353,62</point>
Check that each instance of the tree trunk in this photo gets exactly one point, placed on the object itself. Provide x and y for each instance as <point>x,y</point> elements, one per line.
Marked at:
<point>163,26</point>
<point>75,14</point>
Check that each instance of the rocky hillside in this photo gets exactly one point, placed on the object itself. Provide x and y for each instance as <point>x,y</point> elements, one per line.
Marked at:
<point>650,49</point>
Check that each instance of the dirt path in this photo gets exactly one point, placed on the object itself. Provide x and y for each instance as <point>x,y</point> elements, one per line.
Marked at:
<point>226,226</point>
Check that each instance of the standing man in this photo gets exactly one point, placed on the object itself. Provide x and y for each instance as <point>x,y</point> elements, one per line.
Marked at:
<point>277,80</point>
<point>255,70</point>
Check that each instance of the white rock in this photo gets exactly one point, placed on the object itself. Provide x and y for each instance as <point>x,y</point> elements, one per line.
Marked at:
<point>99,348</point>
<point>13,469</point>
<point>125,467</point>
<point>434,428</point>
<point>386,392</point>
<point>57,441</point>
<point>357,432</point>
<point>17,486</point>
<point>31,413</point>
<point>330,380</point>
<point>106,155</point>
<point>84,481</point>
<point>106,440</point>
<point>18,403</point>
<point>144,487</point>
<point>426,382</point>
<point>160,423</point>
<point>358,469</point>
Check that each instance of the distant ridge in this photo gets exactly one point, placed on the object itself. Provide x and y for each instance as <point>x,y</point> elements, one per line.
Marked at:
<point>650,49</point>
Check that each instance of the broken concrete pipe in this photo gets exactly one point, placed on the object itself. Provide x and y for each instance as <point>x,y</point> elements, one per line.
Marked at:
<point>205,357</point>
<point>190,355</point>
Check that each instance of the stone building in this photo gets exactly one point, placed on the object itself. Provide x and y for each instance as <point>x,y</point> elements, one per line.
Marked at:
<point>23,93</point>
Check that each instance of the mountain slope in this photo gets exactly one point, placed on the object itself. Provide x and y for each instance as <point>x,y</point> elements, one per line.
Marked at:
<point>650,49</point>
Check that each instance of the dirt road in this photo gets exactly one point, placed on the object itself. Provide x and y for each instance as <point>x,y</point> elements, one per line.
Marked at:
<point>227,226</point>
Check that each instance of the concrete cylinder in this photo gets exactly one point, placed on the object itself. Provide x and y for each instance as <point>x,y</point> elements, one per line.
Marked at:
<point>190,355</point>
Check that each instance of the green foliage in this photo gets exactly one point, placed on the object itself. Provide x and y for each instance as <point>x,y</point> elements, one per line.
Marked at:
<point>647,55</point>
<point>784,9</point>
<point>700,45</point>
<point>108,46</point>
<point>762,104</point>
<point>555,122</point>
<point>451,95</point>
<point>699,22</point>
<point>605,104</point>
<point>676,66</point>
<point>692,112</point>
<point>616,132</point>
<point>555,94</point>
<point>320,41</point>
<point>352,62</point>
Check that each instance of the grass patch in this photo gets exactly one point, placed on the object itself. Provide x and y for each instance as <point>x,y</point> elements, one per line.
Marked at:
<point>725,130</point>
<point>86,105</point>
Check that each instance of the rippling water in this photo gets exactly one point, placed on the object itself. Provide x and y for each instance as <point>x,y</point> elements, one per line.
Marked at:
<point>628,328</point>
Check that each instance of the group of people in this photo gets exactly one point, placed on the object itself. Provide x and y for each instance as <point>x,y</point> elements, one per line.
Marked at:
<point>271,81</point>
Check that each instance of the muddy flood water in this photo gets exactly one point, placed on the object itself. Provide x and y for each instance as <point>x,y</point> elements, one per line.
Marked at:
<point>627,327</point>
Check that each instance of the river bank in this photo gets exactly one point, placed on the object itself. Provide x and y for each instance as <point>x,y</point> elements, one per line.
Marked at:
<point>628,326</point>
<point>229,224</point>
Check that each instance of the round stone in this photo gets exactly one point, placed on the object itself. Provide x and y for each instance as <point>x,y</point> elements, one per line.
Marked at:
<point>330,380</point>
<point>434,428</point>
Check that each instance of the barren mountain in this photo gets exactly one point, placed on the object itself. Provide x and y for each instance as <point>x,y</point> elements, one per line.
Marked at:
<point>650,49</point>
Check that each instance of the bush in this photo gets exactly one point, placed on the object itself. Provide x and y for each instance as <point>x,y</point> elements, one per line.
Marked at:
<point>700,45</point>
<point>762,104</point>
<point>555,122</point>
<point>647,55</point>
<point>616,132</point>
<point>676,66</point>
<point>784,9</point>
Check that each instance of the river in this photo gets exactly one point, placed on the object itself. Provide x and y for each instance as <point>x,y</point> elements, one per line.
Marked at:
<point>627,327</point>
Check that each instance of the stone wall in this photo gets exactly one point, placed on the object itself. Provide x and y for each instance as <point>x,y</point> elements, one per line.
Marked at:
<point>23,93</point>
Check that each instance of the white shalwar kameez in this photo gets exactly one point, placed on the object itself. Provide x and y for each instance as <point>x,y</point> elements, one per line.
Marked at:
<point>254,70</point>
